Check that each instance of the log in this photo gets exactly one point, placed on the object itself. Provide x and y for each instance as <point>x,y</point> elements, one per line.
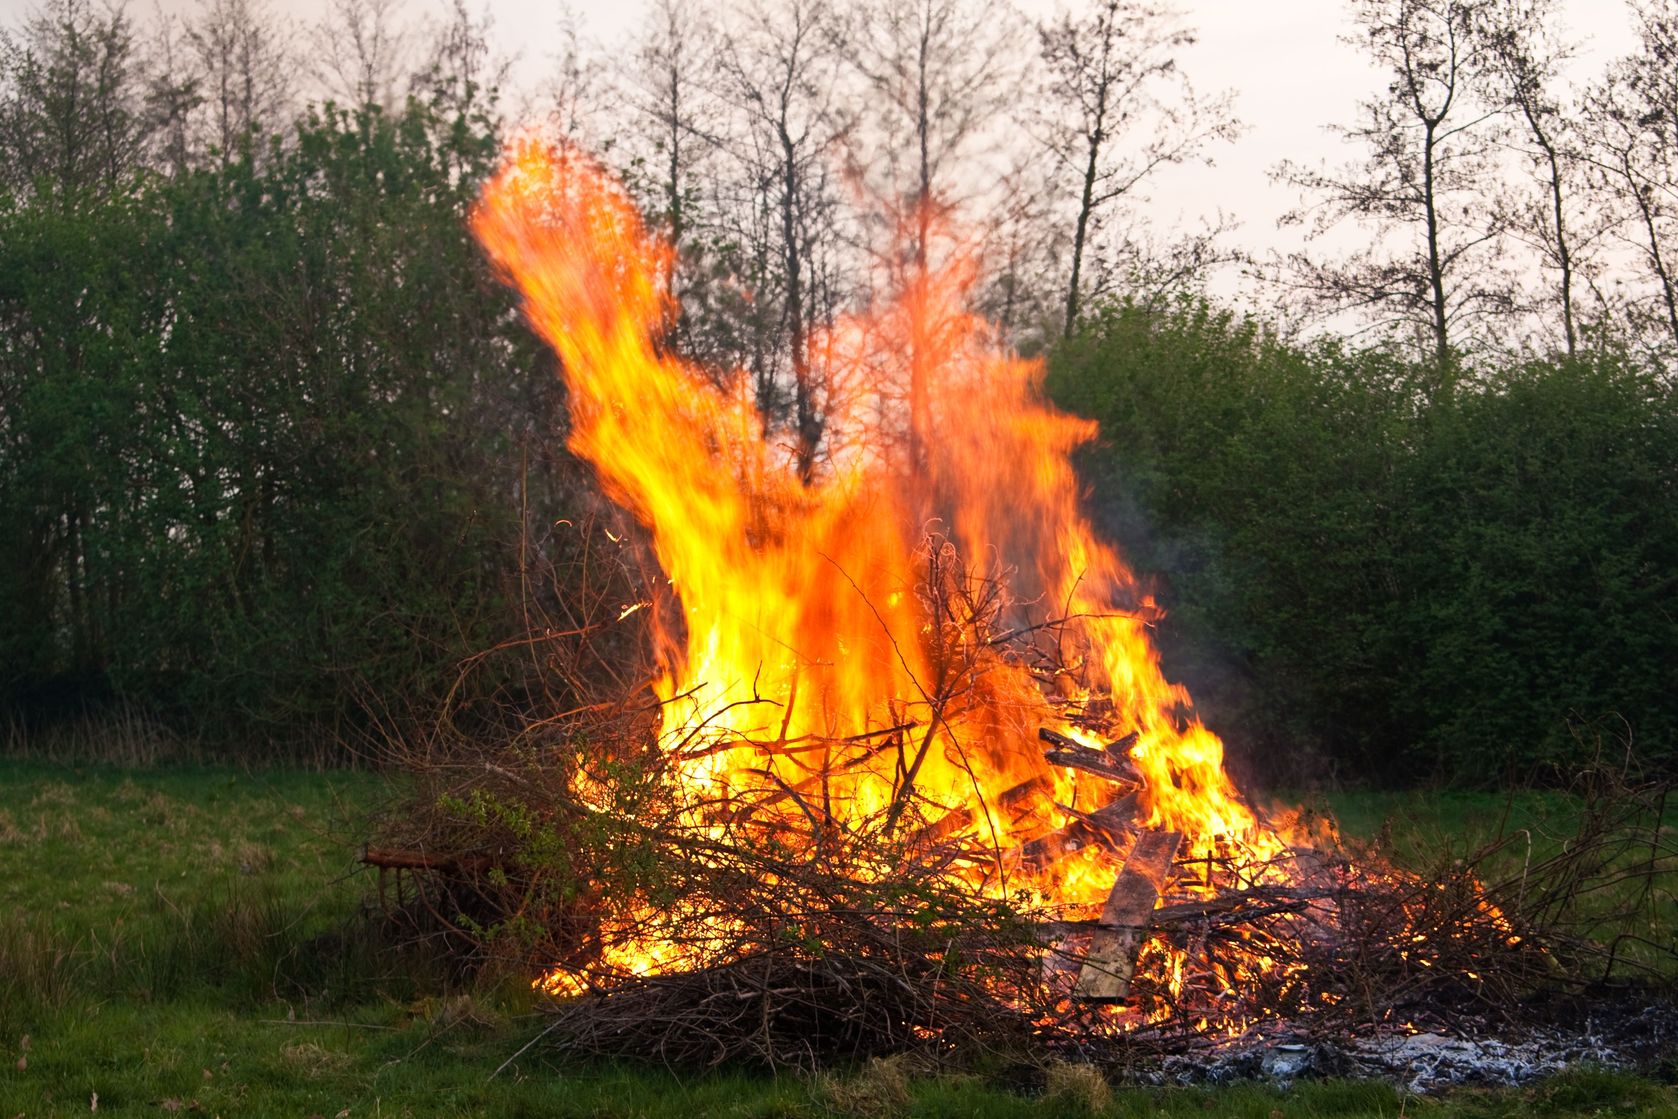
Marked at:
<point>387,858</point>
<point>1058,740</point>
<point>938,831</point>
<point>1018,799</point>
<point>1111,962</point>
<point>1091,762</point>
<point>1113,762</point>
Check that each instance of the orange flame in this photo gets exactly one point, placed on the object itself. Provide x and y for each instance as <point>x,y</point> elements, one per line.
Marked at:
<point>813,612</point>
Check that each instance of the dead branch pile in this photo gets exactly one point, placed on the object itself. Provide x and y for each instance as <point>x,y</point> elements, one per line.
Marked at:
<point>805,1006</point>
<point>766,929</point>
<point>791,956</point>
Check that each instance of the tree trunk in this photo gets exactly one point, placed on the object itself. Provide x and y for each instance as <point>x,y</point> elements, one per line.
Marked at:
<point>1080,232</point>
<point>804,408</point>
<point>1435,268</point>
<point>1656,261</point>
<point>920,418</point>
<point>1564,254</point>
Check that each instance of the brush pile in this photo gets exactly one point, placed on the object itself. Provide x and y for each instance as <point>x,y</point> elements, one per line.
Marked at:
<point>574,857</point>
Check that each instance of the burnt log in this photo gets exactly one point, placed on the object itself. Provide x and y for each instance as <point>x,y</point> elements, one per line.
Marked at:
<point>1113,762</point>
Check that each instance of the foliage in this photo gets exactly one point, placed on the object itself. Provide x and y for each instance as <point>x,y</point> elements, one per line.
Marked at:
<point>1369,582</point>
<point>264,455</point>
<point>275,453</point>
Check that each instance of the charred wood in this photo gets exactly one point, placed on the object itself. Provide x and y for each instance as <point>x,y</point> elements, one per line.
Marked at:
<point>1112,762</point>
<point>1105,826</point>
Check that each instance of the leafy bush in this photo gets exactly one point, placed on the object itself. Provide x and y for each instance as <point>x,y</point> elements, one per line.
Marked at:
<point>265,454</point>
<point>1371,581</point>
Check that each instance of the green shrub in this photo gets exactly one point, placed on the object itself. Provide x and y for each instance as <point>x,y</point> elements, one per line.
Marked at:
<point>1368,582</point>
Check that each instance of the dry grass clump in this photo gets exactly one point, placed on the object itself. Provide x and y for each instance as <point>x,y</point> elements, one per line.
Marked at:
<point>464,1011</point>
<point>120,734</point>
<point>313,1060</point>
<point>881,1089</point>
<point>1076,1089</point>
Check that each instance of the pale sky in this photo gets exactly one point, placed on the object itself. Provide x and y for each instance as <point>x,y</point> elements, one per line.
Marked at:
<point>1292,75</point>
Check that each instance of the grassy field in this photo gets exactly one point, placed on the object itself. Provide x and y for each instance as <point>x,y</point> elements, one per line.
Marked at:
<point>187,940</point>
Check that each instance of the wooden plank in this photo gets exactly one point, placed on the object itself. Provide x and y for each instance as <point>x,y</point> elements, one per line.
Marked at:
<point>1107,970</point>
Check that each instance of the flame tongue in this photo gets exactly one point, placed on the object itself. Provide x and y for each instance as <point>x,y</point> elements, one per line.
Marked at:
<point>816,610</point>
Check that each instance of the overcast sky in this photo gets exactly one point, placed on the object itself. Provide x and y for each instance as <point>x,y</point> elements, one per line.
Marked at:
<point>1292,74</point>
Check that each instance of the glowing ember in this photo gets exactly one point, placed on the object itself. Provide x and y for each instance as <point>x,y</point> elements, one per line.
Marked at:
<point>856,641</point>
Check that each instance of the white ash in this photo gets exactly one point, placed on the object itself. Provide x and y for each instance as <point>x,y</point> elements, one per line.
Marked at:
<point>1416,1062</point>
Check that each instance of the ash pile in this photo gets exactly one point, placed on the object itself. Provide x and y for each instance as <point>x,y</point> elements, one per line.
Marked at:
<point>1619,1031</point>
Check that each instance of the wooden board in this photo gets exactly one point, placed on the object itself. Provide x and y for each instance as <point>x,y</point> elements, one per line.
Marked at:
<point>1107,970</point>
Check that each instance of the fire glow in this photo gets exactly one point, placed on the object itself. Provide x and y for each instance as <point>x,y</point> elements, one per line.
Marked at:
<point>891,631</point>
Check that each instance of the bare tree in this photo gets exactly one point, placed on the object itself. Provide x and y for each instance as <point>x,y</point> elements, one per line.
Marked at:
<point>1430,148</point>
<point>174,94</point>
<point>245,66</point>
<point>1023,248</point>
<point>363,50</point>
<point>1631,121</point>
<point>71,98</point>
<point>940,75</point>
<point>574,89</point>
<point>672,93</point>
<point>1120,110</point>
<point>1525,60</point>
<point>941,78</point>
<point>782,71</point>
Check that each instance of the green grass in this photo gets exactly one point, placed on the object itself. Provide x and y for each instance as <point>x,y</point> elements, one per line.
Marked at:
<point>151,885</point>
<point>191,940</point>
<point>100,842</point>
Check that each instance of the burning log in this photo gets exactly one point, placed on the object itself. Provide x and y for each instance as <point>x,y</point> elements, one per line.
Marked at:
<point>1019,797</point>
<point>1091,762</point>
<point>1105,976</point>
<point>948,826</point>
<point>1112,762</point>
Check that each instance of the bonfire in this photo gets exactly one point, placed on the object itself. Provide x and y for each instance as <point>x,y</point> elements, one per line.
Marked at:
<point>909,771</point>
